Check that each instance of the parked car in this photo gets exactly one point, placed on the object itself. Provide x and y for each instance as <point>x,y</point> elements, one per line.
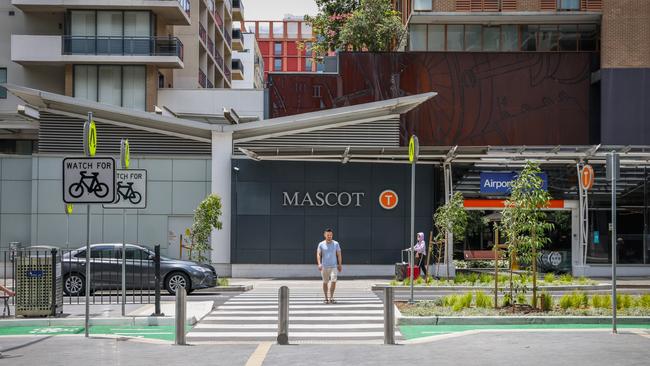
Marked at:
<point>106,270</point>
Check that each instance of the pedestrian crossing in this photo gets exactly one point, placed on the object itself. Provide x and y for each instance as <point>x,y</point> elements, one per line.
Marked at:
<point>356,317</point>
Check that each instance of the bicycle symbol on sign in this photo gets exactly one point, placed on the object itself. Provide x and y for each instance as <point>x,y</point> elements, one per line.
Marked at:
<point>90,184</point>
<point>125,191</point>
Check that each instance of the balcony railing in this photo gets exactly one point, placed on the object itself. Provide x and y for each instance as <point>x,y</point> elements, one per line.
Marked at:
<point>219,20</point>
<point>228,38</point>
<point>210,85</point>
<point>236,34</point>
<point>219,59</point>
<point>202,79</point>
<point>203,34</point>
<point>237,4</point>
<point>211,46</point>
<point>227,72</point>
<point>126,46</point>
<point>237,65</point>
<point>185,4</point>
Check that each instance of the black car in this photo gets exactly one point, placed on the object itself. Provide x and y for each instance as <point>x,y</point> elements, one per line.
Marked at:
<point>106,270</point>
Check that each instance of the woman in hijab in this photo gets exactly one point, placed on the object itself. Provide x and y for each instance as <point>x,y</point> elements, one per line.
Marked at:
<point>421,254</point>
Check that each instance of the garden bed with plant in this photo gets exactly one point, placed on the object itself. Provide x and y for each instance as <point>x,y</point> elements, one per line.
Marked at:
<point>576,303</point>
<point>487,280</point>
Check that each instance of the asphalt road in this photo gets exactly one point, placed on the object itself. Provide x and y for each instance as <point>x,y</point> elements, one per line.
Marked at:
<point>559,347</point>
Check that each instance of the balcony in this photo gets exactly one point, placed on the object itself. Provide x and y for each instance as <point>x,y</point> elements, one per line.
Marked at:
<point>227,72</point>
<point>210,85</point>
<point>219,59</point>
<point>203,80</point>
<point>164,52</point>
<point>228,38</point>
<point>203,34</point>
<point>211,46</point>
<point>237,70</point>
<point>237,10</point>
<point>237,40</point>
<point>218,19</point>
<point>174,12</point>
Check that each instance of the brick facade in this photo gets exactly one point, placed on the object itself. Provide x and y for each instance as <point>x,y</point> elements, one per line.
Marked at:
<point>444,5</point>
<point>528,5</point>
<point>626,34</point>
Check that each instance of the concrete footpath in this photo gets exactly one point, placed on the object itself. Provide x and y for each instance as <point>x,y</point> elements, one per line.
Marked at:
<point>533,347</point>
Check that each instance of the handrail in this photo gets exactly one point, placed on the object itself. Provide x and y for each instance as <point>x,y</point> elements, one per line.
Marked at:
<point>119,45</point>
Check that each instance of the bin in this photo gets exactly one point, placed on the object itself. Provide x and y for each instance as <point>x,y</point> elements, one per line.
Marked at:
<point>39,286</point>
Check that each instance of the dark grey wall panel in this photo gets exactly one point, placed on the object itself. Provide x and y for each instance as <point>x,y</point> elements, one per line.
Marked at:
<point>625,106</point>
<point>368,234</point>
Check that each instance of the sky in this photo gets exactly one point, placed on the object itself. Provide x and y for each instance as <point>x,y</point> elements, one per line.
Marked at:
<point>276,9</point>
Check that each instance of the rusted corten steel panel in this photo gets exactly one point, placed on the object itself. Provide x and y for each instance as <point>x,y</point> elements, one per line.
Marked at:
<point>484,98</point>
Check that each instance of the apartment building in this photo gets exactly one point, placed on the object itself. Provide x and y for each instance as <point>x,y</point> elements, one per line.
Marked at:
<point>285,44</point>
<point>210,40</point>
<point>250,62</point>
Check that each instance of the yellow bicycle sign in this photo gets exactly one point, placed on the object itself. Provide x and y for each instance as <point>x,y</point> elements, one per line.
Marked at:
<point>414,149</point>
<point>125,153</point>
<point>90,138</point>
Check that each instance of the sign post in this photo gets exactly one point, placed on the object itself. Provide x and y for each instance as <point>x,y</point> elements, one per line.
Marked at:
<point>125,151</point>
<point>88,180</point>
<point>68,212</point>
<point>613,173</point>
<point>414,152</point>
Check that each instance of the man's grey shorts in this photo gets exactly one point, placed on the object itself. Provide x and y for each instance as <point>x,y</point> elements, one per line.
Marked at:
<point>329,274</point>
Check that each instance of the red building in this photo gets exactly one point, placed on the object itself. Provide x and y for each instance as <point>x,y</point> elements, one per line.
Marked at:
<point>285,44</point>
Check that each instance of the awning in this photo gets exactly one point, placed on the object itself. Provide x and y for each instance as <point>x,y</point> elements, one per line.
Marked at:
<point>77,107</point>
<point>329,118</point>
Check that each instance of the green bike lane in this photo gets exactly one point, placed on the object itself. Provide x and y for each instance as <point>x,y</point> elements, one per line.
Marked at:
<point>166,333</point>
<point>420,331</point>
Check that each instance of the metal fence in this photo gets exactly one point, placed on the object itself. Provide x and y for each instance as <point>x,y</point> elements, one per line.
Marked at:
<point>105,278</point>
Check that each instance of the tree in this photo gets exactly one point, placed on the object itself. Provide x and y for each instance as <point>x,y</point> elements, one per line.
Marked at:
<point>206,218</point>
<point>373,27</point>
<point>450,218</point>
<point>358,25</point>
<point>524,222</point>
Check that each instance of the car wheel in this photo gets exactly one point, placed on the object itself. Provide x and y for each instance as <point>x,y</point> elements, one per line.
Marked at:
<point>175,280</point>
<point>74,285</point>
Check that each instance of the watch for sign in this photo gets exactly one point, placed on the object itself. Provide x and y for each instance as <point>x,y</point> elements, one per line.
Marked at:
<point>320,199</point>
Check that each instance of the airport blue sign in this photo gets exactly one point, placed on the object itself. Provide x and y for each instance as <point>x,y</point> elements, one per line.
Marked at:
<point>499,183</point>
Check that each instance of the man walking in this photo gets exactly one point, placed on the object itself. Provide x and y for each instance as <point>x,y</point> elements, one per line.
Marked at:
<point>330,263</point>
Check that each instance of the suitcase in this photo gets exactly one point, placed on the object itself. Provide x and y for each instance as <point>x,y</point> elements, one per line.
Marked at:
<point>400,271</point>
<point>416,272</point>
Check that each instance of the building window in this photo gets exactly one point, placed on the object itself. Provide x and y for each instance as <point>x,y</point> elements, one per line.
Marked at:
<point>455,38</point>
<point>491,38</point>
<point>509,38</point>
<point>548,37</point>
<point>277,48</point>
<point>278,30</point>
<point>305,30</point>
<point>588,35</point>
<point>116,85</point>
<point>418,37</point>
<point>292,30</point>
<point>473,37</point>
<point>529,37</point>
<point>436,37</point>
<point>422,5</point>
<point>316,93</point>
<point>308,64</point>
<point>3,79</point>
<point>277,64</point>
<point>264,29</point>
<point>568,4</point>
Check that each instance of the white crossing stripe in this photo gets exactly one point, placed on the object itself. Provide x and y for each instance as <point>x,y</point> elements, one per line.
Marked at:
<point>357,315</point>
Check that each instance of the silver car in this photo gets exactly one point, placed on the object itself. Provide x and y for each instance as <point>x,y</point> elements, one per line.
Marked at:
<point>106,270</point>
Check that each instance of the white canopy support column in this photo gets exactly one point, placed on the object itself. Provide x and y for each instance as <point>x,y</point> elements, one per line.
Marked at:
<point>221,175</point>
<point>584,218</point>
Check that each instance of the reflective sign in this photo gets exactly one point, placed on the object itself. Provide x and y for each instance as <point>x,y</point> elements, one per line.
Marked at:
<point>131,189</point>
<point>88,180</point>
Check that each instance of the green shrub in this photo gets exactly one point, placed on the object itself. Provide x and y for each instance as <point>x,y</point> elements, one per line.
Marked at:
<point>419,281</point>
<point>601,301</point>
<point>223,281</point>
<point>546,301</point>
<point>566,278</point>
<point>460,278</point>
<point>583,280</point>
<point>407,281</point>
<point>579,300</point>
<point>503,278</point>
<point>549,278</point>
<point>623,301</point>
<point>521,299</point>
<point>525,278</point>
<point>483,300</point>
<point>644,301</point>
<point>472,278</point>
<point>565,301</point>
<point>462,301</point>
<point>486,278</point>
<point>507,300</point>
<point>449,300</point>
<point>393,283</point>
